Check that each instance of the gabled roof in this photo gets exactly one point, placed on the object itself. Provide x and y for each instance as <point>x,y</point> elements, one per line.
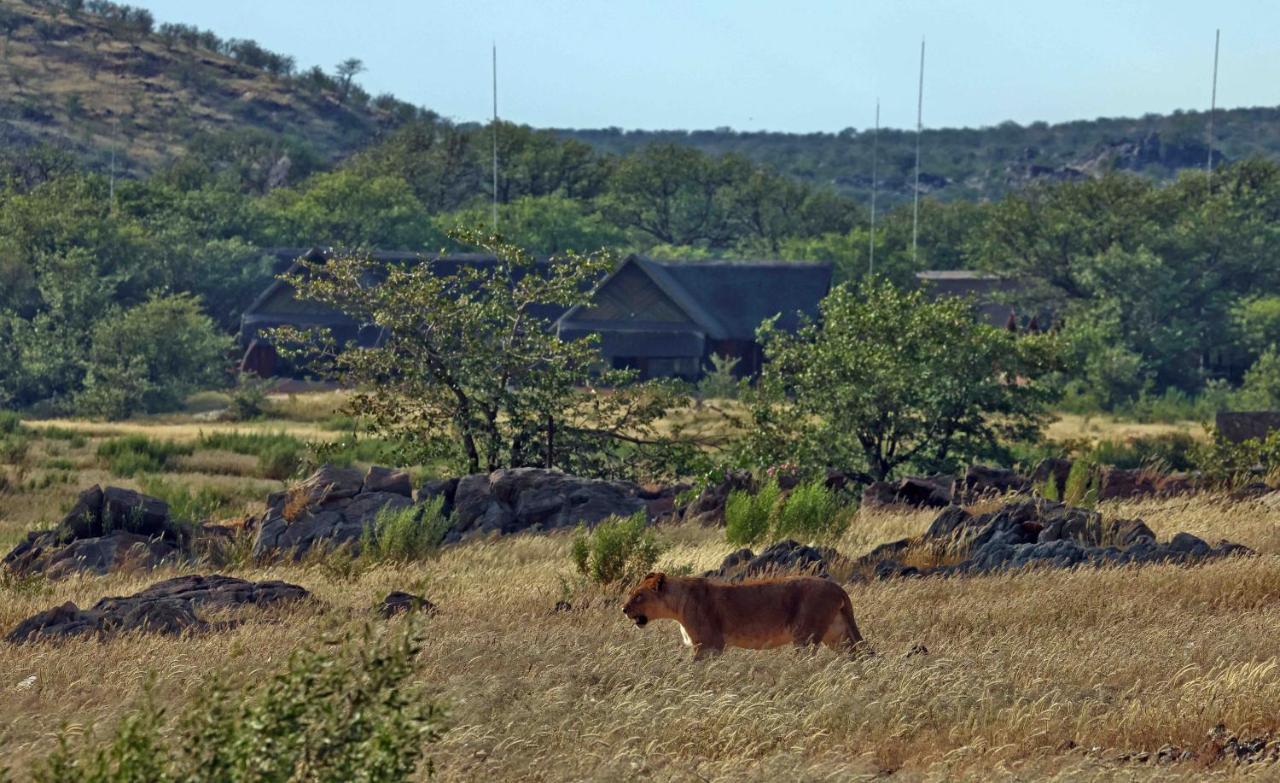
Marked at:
<point>729,300</point>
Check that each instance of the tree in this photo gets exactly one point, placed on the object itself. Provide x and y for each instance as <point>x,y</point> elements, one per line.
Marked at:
<point>150,357</point>
<point>674,194</point>
<point>347,70</point>
<point>469,371</point>
<point>888,379</point>
<point>348,210</point>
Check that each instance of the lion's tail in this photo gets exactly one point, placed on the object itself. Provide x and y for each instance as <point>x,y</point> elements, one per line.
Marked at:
<point>855,640</point>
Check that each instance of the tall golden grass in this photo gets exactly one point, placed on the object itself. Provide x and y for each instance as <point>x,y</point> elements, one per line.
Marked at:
<point>1033,675</point>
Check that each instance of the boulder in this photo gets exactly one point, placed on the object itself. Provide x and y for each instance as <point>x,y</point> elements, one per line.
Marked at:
<point>401,603</point>
<point>332,507</point>
<point>708,507</point>
<point>915,491</point>
<point>167,607</point>
<point>380,479</point>
<point>982,481</point>
<point>784,557</point>
<point>519,499</point>
<point>439,488</point>
<point>1037,532</point>
<point>106,531</point>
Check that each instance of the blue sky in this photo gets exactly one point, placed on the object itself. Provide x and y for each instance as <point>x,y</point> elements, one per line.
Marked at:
<point>799,66</point>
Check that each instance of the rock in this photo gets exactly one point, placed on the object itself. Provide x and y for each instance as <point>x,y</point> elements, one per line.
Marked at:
<point>106,531</point>
<point>166,607</point>
<point>439,488</point>
<point>708,507</point>
<point>1251,491</point>
<point>783,557</point>
<point>387,480</point>
<point>1051,467</point>
<point>400,603</point>
<point>981,481</point>
<point>1041,533</point>
<point>917,491</point>
<point>1250,425</point>
<point>337,509</point>
<point>519,499</point>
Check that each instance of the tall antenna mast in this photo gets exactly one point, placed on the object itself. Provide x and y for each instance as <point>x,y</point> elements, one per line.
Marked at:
<point>915,214</point>
<point>1213,101</point>
<point>495,137</point>
<point>875,152</point>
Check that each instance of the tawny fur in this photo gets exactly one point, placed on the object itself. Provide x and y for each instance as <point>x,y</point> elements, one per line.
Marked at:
<point>713,615</point>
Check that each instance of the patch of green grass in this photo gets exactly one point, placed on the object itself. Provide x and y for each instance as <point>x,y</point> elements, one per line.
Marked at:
<point>279,454</point>
<point>10,423</point>
<point>616,551</point>
<point>189,505</point>
<point>406,534</point>
<point>76,440</point>
<point>135,454</point>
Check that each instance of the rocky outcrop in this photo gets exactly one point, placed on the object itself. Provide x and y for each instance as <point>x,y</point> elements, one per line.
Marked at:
<point>106,531</point>
<point>167,607</point>
<point>520,499</point>
<point>784,557</point>
<point>334,506</point>
<point>1037,532</point>
<point>914,491</point>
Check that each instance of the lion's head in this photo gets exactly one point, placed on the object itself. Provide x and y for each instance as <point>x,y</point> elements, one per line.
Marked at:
<point>648,601</point>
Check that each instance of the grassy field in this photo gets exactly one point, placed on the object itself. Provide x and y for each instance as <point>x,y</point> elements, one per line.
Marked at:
<point>1045,675</point>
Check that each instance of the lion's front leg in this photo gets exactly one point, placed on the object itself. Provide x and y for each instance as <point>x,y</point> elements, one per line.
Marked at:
<point>706,645</point>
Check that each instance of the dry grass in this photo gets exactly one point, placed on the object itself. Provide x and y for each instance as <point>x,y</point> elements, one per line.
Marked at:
<point>183,428</point>
<point>1036,675</point>
<point>1019,668</point>
<point>1096,427</point>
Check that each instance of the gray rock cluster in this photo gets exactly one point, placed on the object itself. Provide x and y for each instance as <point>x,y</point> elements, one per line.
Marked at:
<point>1036,532</point>
<point>520,499</point>
<point>107,530</point>
<point>784,557</point>
<point>334,507</point>
<point>167,607</point>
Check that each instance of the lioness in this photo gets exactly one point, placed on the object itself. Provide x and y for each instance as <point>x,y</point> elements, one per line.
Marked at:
<point>802,611</point>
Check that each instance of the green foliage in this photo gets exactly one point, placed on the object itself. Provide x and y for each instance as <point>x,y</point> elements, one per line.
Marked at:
<point>336,714</point>
<point>1171,451</point>
<point>1049,490</point>
<point>193,505</point>
<point>616,551</point>
<point>405,534</point>
<point>248,398</point>
<point>150,357</point>
<point>749,516</point>
<point>1081,487</point>
<point>1230,464</point>
<point>10,423</point>
<point>463,377</point>
<point>132,455</point>
<point>887,379</point>
<point>811,512</point>
<point>1261,388</point>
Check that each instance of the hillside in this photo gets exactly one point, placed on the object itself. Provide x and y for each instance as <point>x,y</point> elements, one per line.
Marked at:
<point>103,78</point>
<point>982,162</point>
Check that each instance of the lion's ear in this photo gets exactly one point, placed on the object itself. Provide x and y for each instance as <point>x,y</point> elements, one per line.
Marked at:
<point>659,581</point>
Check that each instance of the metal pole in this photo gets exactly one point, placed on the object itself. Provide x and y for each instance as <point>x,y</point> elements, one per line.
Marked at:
<point>915,216</point>
<point>495,137</point>
<point>875,152</point>
<point>1213,100</point>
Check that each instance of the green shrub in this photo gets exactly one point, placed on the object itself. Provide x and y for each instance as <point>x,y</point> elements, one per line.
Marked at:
<point>188,505</point>
<point>405,534</point>
<point>13,448</point>
<point>10,423</point>
<point>810,513</point>
<point>74,439</point>
<point>1229,464</point>
<point>1081,487</point>
<point>748,517</point>
<point>616,551</point>
<point>719,382</point>
<point>248,398</point>
<point>333,715</point>
<point>135,454</point>
<point>281,461</point>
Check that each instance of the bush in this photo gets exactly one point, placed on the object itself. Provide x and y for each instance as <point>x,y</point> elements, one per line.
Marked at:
<point>10,423</point>
<point>719,382</point>
<point>248,399</point>
<point>331,716</point>
<point>134,454</point>
<point>810,513</point>
<point>1081,487</point>
<point>191,505</point>
<point>281,461</point>
<point>280,455</point>
<point>1229,464</point>
<point>748,517</point>
<point>616,551</point>
<point>405,534</point>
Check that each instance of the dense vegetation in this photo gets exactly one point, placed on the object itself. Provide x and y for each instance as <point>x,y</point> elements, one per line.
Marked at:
<point>120,295</point>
